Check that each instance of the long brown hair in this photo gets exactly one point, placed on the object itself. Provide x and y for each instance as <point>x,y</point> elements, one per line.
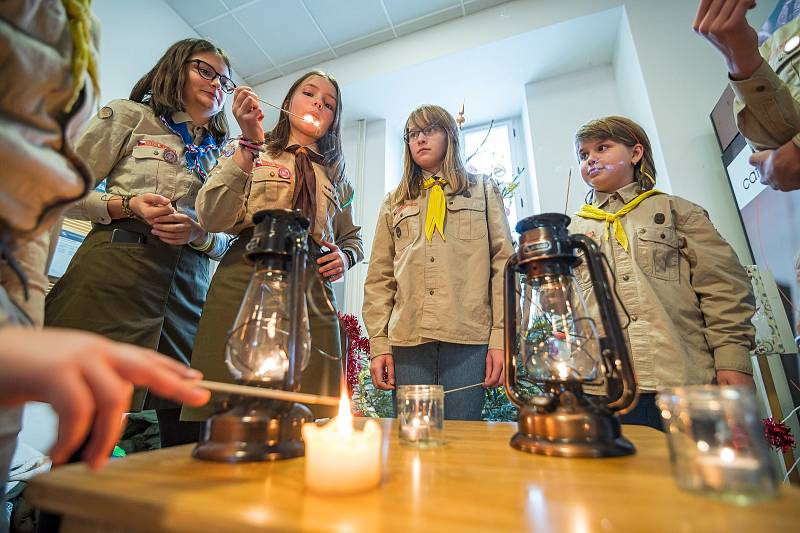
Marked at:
<point>624,131</point>
<point>330,144</point>
<point>453,169</point>
<point>162,87</point>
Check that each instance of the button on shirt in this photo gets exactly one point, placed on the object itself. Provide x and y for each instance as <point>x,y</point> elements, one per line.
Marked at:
<point>689,299</point>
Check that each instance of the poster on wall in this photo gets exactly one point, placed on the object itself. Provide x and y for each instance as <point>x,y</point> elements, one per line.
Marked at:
<point>771,221</point>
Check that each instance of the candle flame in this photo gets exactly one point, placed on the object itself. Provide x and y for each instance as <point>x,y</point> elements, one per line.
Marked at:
<point>344,420</point>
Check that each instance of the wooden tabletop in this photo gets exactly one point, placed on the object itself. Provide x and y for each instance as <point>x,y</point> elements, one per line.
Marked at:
<point>475,482</point>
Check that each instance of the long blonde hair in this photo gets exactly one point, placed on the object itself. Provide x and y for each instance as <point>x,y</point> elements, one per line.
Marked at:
<point>453,169</point>
<point>624,131</point>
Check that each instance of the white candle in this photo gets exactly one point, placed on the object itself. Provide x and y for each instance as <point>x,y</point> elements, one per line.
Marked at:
<point>340,459</point>
<point>417,430</point>
<point>727,472</point>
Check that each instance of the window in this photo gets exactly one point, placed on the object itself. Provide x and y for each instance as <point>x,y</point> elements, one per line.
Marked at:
<point>491,150</point>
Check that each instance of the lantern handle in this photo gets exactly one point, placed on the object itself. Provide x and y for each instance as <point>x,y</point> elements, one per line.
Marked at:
<point>622,390</point>
<point>510,303</point>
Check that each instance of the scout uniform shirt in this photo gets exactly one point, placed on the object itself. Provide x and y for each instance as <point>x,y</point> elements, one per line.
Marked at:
<point>689,299</point>
<point>448,290</point>
<point>131,147</point>
<point>231,196</point>
<point>767,105</point>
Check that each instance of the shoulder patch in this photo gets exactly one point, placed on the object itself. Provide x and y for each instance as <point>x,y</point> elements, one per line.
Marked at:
<point>105,112</point>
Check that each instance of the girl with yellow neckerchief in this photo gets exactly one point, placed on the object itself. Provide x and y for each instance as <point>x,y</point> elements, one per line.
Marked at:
<point>688,297</point>
<point>434,290</point>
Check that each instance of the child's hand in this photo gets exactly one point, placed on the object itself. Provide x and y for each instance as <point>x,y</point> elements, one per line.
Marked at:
<point>178,229</point>
<point>334,264</point>
<point>247,110</point>
<point>494,368</point>
<point>149,206</point>
<point>723,23</point>
<point>732,377</point>
<point>779,169</point>
<point>381,368</point>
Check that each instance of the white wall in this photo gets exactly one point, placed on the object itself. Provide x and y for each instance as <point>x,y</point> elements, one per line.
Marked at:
<point>554,110</point>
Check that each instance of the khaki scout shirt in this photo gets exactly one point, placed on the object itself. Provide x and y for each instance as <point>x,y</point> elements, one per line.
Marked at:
<point>767,105</point>
<point>448,290</point>
<point>689,299</point>
<point>127,144</point>
<point>231,196</point>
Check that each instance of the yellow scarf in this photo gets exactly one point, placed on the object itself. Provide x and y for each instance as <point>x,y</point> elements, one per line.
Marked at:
<point>83,61</point>
<point>436,206</point>
<point>590,211</point>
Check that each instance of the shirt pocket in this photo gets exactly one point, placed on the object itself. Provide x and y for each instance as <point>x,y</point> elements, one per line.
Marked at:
<point>156,168</point>
<point>327,211</point>
<point>466,217</point>
<point>658,252</point>
<point>269,190</point>
<point>405,227</point>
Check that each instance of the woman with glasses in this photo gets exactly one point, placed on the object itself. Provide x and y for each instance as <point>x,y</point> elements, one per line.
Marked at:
<point>433,298</point>
<point>142,273</point>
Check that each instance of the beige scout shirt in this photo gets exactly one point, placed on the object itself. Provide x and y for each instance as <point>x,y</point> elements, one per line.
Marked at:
<point>767,104</point>
<point>40,173</point>
<point>689,298</point>
<point>127,144</point>
<point>231,196</point>
<point>448,290</point>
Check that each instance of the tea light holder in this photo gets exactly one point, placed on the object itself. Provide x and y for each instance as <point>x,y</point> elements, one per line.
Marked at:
<point>420,414</point>
<point>717,446</point>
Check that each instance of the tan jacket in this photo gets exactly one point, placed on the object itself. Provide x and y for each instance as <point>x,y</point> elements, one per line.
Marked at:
<point>40,174</point>
<point>129,146</point>
<point>766,105</point>
<point>689,298</point>
<point>447,290</point>
<point>231,196</point>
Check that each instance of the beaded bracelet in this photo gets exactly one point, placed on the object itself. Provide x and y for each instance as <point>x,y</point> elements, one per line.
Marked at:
<point>126,206</point>
<point>249,146</point>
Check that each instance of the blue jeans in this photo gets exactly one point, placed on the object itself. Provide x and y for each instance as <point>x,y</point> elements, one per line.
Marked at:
<point>447,364</point>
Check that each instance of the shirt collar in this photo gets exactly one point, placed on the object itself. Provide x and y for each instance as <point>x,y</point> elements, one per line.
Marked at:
<point>626,193</point>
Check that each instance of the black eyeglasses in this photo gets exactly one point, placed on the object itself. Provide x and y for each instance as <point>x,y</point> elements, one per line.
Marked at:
<point>209,73</point>
<point>412,135</point>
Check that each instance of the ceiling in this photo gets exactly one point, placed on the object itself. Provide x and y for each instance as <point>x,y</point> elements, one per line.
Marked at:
<point>266,39</point>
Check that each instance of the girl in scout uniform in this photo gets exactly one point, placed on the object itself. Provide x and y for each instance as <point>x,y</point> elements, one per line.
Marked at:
<point>297,165</point>
<point>688,298</point>
<point>142,273</point>
<point>433,298</point>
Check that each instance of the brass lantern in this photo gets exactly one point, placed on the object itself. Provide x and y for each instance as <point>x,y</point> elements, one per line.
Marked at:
<point>549,332</point>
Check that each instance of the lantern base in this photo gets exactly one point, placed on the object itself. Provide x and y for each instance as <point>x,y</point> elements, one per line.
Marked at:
<point>588,431</point>
<point>254,431</point>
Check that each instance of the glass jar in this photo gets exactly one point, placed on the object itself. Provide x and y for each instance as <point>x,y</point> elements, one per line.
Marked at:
<point>716,442</point>
<point>420,413</point>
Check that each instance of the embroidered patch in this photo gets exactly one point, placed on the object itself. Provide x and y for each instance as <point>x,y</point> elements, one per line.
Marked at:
<point>401,207</point>
<point>590,234</point>
<point>284,173</point>
<point>105,112</point>
<point>154,144</point>
<point>170,156</point>
<point>659,218</point>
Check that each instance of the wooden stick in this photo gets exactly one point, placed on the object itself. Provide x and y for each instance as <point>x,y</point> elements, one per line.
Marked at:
<point>272,394</point>
<point>463,388</point>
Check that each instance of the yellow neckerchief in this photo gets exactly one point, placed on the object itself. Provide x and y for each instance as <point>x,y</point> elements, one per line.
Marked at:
<point>83,60</point>
<point>436,206</point>
<point>590,211</point>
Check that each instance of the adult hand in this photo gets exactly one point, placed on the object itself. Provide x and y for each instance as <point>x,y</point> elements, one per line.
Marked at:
<point>88,380</point>
<point>779,169</point>
<point>178,228</point>
<point>732,377</point>
<point>150,206</point>
<point>494,368</point>
<point>333,264</point>
<point>247,111</point>
<point>724,24</point>
<point>381,368</point>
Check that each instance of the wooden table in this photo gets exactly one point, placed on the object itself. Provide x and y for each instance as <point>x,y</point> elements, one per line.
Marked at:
<point>475,482</point>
